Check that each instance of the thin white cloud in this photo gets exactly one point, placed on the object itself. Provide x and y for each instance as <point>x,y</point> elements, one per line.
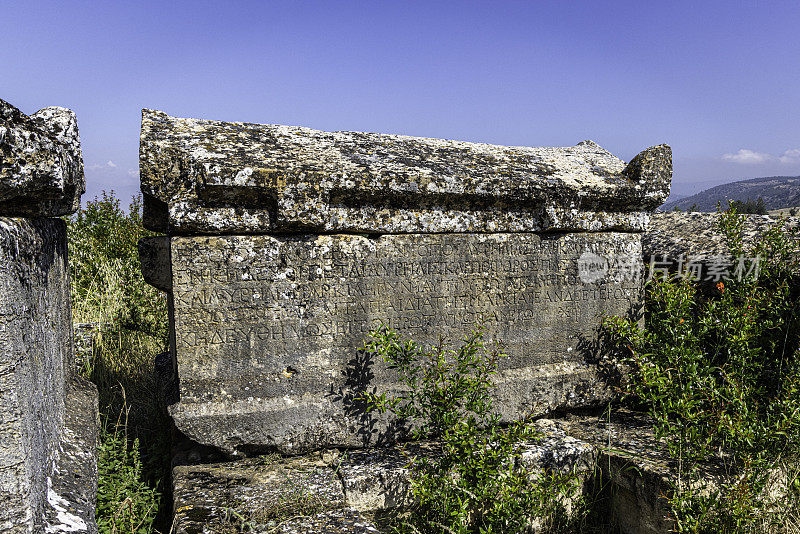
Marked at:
<point>746,156</point>
<point>97,166</point>
<point>791,156</point>
<point>133,172</point>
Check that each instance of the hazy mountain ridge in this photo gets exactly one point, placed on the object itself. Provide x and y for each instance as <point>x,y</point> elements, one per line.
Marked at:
<point>777,192</point>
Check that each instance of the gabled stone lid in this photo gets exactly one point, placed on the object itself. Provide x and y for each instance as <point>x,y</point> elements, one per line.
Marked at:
<point>41,165</point>
<point>211,177</point>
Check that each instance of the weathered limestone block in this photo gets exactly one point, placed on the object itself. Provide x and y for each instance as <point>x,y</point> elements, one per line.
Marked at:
<point>41,165</point>
<point>264,494</point>
<point>47,464</point>
<point>678,234</point>
<point>378,478</point>
<point>267,328</point>
<point>210,177</point>
<point>34,334</point>
<point>342,521</point>
<point>637,475</point>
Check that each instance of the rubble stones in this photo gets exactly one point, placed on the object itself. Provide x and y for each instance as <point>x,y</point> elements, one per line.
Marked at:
<point>41,165</point>
<point>210,177</point>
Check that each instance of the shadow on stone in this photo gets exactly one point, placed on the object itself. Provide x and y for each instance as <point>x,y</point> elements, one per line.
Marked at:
<point>371,427</point>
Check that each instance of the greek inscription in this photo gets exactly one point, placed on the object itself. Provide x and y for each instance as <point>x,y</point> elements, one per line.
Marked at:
<point>273,298</point>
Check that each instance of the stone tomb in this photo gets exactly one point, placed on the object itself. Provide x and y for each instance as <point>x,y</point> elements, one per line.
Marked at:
<point>271,302</point>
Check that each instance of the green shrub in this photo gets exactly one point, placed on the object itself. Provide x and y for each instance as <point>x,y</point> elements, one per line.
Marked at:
<point>125,504</point>
<point>107,283</point>
<point>474,484</point>
<point>756,207</point>
<point>108,289</point>
<point>719,370</point>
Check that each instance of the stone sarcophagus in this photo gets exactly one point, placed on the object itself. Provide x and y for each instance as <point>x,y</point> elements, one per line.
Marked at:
<point>286,246</point>
<point>48,416</point>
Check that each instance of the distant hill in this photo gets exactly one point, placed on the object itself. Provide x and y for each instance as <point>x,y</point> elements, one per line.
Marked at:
<point>777,192</point>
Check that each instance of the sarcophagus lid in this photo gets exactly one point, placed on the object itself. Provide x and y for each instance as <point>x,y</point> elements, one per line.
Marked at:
<point>210,177</point>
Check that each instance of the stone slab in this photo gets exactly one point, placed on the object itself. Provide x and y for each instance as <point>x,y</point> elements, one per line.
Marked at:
<point>378,480</point>
<point>211,177</point>
<point>72,486</point>
<point>41,164</point>
<point>622,473</point>
<point>263,494</point>
<point>36,341</point>
<point>633,466</point>
<point>268,328</point>
<point>635,474</point>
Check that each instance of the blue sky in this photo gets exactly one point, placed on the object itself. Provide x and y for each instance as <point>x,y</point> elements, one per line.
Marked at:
<point>719,81</point>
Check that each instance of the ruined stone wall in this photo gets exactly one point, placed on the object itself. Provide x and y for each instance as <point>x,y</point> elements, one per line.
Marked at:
<point>286,246</point>
<point>48,416</point>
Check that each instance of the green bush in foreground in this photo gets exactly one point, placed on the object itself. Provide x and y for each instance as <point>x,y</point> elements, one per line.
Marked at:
<point>475,485</point>
<point>108,290</point>
<point>125,503</point>
<point>719,370</point>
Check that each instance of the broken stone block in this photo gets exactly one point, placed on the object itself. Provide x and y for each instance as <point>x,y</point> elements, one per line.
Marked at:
<point>378,479</point>
<point>210,177</point>
<point>41,165</point>
<point>268,328</point>
<point>48,418</point>
<point>555,450</point>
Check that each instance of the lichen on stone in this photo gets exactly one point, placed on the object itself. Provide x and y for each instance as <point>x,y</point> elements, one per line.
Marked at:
<point>41,164</point>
